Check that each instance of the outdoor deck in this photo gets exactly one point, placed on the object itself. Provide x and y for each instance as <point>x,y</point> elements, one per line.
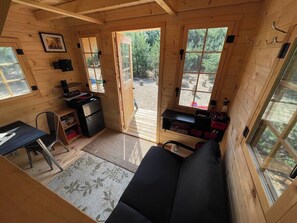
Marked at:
<point>144,125</point>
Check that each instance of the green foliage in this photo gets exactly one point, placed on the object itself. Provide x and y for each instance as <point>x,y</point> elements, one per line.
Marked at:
<point>145,53</point>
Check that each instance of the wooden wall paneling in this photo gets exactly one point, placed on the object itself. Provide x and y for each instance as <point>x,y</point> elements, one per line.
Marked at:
<point>292,214</point>
<point>193,4</point>
<point>4,8</point>
<point>259,66</point>
<point>243,195</point>
<point>22,25</point>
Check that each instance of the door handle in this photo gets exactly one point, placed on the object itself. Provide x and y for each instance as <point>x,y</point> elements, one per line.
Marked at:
<point>293,174</point>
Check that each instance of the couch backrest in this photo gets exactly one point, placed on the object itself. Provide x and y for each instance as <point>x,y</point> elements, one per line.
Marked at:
<point>200,194</point>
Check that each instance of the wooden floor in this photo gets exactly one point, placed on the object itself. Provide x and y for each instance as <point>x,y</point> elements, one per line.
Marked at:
<point>41,170</point>
<point>144,125</point>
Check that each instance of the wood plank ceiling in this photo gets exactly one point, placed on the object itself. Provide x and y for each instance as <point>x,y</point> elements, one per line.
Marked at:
<point>78,9</point>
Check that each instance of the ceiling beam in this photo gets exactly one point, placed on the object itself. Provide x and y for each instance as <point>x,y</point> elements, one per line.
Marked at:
<point>166,6</point>
<point>58,11</point>
<point>89,6</point>
<point>4,7</point>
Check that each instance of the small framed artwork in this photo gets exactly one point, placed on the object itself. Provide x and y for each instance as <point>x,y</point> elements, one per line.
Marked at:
<point>53,42</point>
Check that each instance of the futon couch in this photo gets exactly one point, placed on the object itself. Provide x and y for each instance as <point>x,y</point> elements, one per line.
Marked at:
<point>169,188</point>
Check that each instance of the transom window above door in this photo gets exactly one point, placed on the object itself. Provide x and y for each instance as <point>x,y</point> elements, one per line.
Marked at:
<point>200,65</point>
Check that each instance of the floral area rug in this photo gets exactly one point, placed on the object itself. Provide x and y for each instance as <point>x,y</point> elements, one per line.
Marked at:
<point>93,185</point>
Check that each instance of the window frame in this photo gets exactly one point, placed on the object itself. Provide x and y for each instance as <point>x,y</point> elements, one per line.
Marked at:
<point>224,59</point>
<point>15,44</point>
<point>99,45</point>
<point>273,210</point>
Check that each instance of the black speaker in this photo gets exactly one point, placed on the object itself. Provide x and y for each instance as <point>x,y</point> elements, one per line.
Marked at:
<point>64,86</point>
<point>64,65</point>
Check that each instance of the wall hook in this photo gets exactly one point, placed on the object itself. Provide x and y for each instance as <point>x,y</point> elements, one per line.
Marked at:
<point>258,44</point>
<point>274,40</point>
<point>277,29</point>
<point>247,38</point>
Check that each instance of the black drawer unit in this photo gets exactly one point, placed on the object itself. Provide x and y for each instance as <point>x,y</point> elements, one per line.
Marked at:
<point>90,114</point>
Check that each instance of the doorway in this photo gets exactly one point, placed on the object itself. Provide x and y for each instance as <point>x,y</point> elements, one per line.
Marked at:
<point>138,56</point>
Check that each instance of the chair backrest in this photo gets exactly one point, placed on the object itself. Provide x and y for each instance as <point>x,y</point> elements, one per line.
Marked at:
<point>52,122</point>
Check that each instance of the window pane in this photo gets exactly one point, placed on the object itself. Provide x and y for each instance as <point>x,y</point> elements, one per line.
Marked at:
<point>19,87</point>
<point>94,47</point>
<point>205,82</point>
<point>215,39</point>
<point>210,62</point>
<point>86,45</point>
<point>90,53</point>
<point>89,60</point>
<point>292,137</point>
<point>12,72</point>
<point>96,60</point>
<point>278,171</point>
<point>195,39</point>
<point>192,62</point>
<point>291,71</point>
<point>264,144</point>
<point>4,93</point>
<point>12,78</point>
<point>201,100</point>
<point>7,55</point>
<point>125,53</point>
<point>189,81</point>
<point>279,114</point>
<point>186,98</point>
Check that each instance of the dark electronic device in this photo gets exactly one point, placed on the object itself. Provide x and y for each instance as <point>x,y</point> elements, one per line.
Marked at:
<point>64,86</point>
<point>90,114</point>
<point>67,93</point>
<point>64,65</point>
<point>72,94</point>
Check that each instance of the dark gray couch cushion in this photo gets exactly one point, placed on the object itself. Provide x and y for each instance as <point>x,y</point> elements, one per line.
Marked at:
<point>152,189</point>
<point>125,214</point>
<point>200,195</point>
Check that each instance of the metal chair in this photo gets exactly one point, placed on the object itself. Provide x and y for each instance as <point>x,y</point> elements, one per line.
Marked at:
<point>52,124</point>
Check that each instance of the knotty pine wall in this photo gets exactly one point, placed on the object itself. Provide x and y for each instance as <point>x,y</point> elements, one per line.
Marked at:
<point>245,17</point>
<point>22,24</point>
<point>258,67</point>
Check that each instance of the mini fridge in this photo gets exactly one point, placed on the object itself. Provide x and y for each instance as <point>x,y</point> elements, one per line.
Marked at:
<point>90,114</point>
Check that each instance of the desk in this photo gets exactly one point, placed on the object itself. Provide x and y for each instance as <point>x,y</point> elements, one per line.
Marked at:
<point>25,135</point>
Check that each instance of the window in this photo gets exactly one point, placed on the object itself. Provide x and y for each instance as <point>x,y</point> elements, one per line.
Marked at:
<point>274,143</point>
<point>13,81</point>
<point>202,58</point>
<point>125,56</point>
<point>91,55</point>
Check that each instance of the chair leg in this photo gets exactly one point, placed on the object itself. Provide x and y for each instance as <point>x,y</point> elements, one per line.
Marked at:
<point>48,160</point>
<point>29,157</point>
<point>65,147</point>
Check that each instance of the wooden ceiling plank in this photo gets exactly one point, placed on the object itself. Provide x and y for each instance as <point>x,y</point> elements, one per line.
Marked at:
<point>58,11</point>
<point>166,6</point>
<point>4,7</point>
<point>89,6</point>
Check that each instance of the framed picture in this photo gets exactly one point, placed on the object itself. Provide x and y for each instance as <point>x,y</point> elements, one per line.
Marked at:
<point>53,42</point>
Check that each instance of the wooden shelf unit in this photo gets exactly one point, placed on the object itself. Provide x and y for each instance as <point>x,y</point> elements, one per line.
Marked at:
<point>68,132</point>
<point>188,124</point>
